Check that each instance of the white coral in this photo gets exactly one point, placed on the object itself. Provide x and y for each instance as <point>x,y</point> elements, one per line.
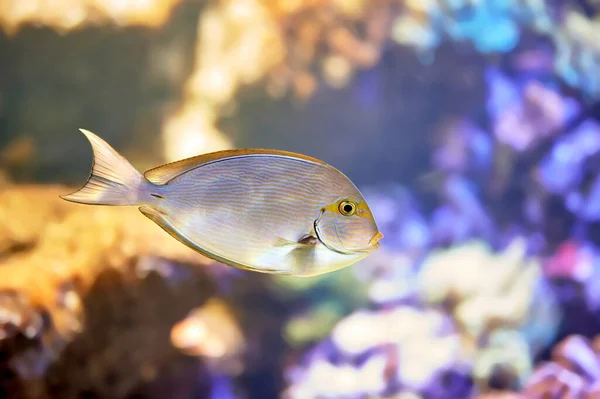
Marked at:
<point>326,380</point>
<point>486,287</point>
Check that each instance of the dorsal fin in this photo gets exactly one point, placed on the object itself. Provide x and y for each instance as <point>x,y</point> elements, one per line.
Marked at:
<point>163,174</point>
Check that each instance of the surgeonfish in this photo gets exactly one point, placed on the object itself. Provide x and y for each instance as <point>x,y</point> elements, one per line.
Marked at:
<point>263,210</point>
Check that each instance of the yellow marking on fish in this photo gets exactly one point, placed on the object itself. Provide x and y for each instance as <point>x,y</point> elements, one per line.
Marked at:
<point>362,209</point>
<point>375,240</point>
<point>332,207</point>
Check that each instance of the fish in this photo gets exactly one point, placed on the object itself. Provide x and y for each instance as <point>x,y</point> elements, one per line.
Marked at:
<point>262,210</point>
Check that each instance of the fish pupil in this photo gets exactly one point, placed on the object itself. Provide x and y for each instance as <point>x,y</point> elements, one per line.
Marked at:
<point>348,208</point>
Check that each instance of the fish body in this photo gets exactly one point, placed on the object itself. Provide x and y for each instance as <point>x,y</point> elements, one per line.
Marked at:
<point>263,210</point>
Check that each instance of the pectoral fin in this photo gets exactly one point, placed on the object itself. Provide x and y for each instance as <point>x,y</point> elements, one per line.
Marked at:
<point>302,252</point>
<point>308,239</point>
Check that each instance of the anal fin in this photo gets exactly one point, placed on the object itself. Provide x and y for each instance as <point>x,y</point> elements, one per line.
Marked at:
<point>163,221</point>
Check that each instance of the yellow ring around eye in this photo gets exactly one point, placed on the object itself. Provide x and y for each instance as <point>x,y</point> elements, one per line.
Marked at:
<point>347,208</point>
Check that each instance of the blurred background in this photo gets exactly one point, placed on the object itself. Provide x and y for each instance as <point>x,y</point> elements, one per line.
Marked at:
<point>471,126</point>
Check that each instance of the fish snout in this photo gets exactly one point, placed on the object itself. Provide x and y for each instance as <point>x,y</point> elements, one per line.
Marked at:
<point>374,242</point>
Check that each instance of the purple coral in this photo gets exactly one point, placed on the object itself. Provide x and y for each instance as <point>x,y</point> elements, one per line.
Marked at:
<point>573,372</point>
<point>524,116</point>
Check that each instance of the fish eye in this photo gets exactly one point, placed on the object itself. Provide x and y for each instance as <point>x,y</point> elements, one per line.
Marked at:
<point>347,208</point>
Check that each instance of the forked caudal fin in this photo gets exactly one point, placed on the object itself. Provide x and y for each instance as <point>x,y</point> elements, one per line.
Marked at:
<point>113,181</point>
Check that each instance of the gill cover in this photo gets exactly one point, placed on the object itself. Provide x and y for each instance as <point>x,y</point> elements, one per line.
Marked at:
<point>347,233</point>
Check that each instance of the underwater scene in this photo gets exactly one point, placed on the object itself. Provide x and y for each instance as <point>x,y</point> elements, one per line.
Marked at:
<point>470,127</point>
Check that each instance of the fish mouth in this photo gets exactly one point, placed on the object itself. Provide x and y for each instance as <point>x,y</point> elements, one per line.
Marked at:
<point>374,242</point>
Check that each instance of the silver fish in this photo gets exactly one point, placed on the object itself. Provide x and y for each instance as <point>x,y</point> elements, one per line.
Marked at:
<point>264,210</point>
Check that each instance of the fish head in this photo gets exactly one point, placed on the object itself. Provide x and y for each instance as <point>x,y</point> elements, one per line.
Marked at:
<point>347,226</point>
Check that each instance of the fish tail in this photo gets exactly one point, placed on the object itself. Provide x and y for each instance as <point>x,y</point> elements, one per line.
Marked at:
<point>112,181</point>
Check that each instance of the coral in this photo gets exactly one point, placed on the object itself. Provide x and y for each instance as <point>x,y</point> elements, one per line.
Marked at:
<point>68,15</point>
<point>89,297</point>
<point>65,246</point>
<point>124,345</point>
<point>373,352</point>
<point>480,109</point>
<point>561,170</point>
<point>501,395</point>
<point>540,112</point>
<point>484,288</point>
<point>573,372</point>
<point>489,313</point>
